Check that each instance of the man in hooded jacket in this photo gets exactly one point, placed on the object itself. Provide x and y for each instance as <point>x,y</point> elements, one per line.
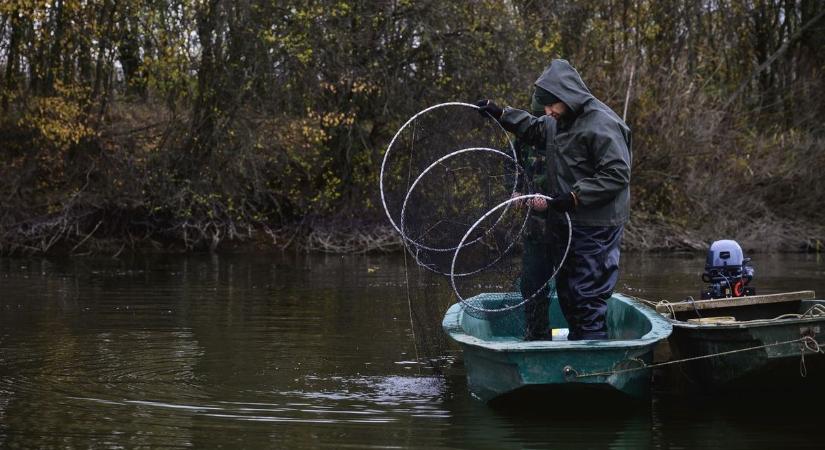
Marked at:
<point>537,261</point>
<point>590,159</point>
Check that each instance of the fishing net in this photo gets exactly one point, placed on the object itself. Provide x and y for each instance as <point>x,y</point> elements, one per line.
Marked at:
<point>427,139</point>
<point>442,201</point>
<point>451,186</point>
<point>504,274</point>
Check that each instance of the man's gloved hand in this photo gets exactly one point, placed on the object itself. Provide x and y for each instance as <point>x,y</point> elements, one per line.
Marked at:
<point>563,202</point>
<point>487,107</point>
<point>539,204</point>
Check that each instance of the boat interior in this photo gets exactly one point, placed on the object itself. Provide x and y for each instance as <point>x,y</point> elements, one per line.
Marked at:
<point>624,320</point>
<point>791,305</point>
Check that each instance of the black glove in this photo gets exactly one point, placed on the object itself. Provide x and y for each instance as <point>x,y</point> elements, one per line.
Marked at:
<point>487,107</point>
<point>563,202</point>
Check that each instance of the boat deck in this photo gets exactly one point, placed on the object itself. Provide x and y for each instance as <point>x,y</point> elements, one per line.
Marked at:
<point>749,311</point>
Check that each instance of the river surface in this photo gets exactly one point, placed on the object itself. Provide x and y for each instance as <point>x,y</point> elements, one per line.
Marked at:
<point>307,351</point>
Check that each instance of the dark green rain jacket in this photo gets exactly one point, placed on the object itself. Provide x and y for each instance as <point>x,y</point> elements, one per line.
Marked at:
<point>534,180</point>
<point>533,159</point>
<point>591,152</point>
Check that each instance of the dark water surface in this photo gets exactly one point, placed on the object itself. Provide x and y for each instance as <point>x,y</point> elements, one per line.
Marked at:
<point>285,351</point>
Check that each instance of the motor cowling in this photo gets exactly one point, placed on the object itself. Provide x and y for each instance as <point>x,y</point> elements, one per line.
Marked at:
<point>727,271</point>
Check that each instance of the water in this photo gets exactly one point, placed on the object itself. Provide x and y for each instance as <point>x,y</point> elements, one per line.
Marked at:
<point>285,351</point>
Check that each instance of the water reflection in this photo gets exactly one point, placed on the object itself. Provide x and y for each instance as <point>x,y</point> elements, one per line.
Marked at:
<point>309,351</point>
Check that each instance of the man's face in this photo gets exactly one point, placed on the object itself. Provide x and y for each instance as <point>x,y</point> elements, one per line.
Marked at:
<point>556,110</point>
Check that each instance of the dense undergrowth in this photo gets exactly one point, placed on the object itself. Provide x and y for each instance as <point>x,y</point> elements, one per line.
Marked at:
<point>181,126</point>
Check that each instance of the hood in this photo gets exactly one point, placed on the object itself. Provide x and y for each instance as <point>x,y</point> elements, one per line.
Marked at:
<point>563,81</point>
<point>536,108</point>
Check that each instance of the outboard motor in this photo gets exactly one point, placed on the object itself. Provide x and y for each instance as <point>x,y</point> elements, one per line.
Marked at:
<point>727,271</point>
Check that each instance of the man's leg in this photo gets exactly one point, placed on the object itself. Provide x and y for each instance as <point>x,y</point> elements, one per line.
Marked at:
<point>534,287</point>
<point>556,246</point>
<point>536,269</point>
<point>591,278</point>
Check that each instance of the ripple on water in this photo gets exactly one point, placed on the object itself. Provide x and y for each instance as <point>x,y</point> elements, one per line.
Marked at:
<point>357,400</point>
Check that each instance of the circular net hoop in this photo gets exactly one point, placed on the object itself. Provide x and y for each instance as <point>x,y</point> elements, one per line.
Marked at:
<point>425,138</point>
<point>445,197</point>
<point>506,270</point>
<point>451,187</point>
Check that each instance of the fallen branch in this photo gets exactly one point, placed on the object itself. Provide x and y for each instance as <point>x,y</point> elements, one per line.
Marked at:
<point>87,237</point>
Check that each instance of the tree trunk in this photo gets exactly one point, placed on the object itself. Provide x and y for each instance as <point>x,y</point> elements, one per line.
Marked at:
<point>10,80</point>
<point>206,108</point>
<point>105,21</point>
<point>53,61</point>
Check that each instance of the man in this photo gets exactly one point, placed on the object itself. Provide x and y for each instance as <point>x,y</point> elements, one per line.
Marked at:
<point>590,161</point>
<point>537,263</point>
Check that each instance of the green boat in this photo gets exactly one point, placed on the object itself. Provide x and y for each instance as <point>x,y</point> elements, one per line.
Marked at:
<point>745,344</point>
<point>501,365</point>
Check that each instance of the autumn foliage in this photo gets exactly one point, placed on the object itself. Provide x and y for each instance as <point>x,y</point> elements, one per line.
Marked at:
<point>135,124</point>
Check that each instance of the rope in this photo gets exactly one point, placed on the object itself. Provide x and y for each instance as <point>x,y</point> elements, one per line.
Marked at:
<point>409,308</point>
<point>815,311</point>
<point>406,271</point>
<point>693,304</point>
<point>655,305</point>
<point>809,343</point>
<point>803,369</point>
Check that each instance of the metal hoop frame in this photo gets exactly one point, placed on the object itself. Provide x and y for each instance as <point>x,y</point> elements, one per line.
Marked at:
<point>398,133</point>
<point>419,246</point>
<point>473,227</point>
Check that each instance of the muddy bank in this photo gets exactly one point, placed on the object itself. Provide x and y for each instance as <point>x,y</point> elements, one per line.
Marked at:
<point>761,235</point>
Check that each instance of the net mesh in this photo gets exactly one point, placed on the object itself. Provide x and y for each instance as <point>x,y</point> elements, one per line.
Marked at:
<point>444,200</point>
<point>428,137</point>
<point>503,274</point>
<point>449,184</point>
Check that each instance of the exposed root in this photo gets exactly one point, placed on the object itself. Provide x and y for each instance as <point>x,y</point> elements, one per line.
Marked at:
<point>89,232</point>
<point>382,238</point>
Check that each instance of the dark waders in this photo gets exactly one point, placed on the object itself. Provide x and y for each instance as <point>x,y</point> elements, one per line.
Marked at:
<point>537,267</point>
<point>588,276</point>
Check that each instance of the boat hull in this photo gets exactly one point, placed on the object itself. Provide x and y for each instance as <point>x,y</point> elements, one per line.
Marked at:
<point>500,363</point>
<point>758,357</point>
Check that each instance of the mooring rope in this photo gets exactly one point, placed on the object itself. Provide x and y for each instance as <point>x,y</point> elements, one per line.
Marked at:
<point>664,303</point>
<point>809,343</point>
<point>815,311</point>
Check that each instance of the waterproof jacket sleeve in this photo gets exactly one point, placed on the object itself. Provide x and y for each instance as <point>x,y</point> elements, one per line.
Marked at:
<point>610,155</point>
<point>521,157</point>
<point>527,128</point>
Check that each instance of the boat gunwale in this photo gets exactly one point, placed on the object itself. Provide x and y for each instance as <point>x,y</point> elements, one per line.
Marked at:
<point>661,328</point>
<point>746,324</point>
<point>759,323</point>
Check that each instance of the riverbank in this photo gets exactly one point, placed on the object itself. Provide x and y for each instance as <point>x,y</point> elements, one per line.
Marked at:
<point>644,233</point>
